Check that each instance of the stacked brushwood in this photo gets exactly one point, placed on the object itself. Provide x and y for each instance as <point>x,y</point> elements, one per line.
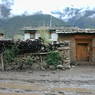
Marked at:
<point>5,44</point>
<point>35,46</point>
<point>10,50</point>
<point>29,46</point>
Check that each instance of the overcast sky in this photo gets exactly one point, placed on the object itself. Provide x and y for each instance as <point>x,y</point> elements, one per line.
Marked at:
<point>48,5</point>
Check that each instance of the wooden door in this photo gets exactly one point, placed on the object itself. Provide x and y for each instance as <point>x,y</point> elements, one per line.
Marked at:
<point>83,51</point>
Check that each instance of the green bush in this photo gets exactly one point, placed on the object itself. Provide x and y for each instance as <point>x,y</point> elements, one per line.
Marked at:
<point>24,60</point>
<point>10,54</point>
<point>29,60</point>
<point>53,58</point>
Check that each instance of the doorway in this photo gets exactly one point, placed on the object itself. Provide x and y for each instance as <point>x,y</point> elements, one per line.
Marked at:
<point>83,50</point>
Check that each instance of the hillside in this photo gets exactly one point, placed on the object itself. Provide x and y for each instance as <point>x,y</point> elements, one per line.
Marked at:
<point>13,25</point>
<point>83,17</point>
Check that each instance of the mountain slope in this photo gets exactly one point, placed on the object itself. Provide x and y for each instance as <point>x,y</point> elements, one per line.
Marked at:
<point>13,25</point>
<point>83,18</point>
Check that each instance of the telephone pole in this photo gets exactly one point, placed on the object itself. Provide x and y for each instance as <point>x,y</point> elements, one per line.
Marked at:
<point>50,24</point>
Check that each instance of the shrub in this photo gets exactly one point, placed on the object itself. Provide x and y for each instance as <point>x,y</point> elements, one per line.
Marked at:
<point>22,63</point>
<point>53,58</point>
<point>10,54</point>
<point>44,34</point>
<point>24,60</point>
<point>29,60</point>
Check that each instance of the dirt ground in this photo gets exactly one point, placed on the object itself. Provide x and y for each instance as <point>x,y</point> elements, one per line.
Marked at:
<point>79,80</point>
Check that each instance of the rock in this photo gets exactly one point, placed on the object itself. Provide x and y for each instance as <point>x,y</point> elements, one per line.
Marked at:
<point>73,66</point>
<point>60,67</point>
<point>67,66</point>
<point>51,93</point>
<point>51,67</point>
<point>61,93</point>
<point>42,68</point>
<point>43,65</point>
<point>35,66</point>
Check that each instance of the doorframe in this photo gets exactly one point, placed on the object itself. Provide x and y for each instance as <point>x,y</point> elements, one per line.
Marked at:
<point>89,41</point>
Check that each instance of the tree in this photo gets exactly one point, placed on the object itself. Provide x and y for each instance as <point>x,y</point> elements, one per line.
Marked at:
<point>44,34</point>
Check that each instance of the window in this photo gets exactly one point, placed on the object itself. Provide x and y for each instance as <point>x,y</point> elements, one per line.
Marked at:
<point>32,36</point>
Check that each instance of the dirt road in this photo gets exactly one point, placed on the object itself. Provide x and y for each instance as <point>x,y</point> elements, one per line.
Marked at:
<point>76,81</point>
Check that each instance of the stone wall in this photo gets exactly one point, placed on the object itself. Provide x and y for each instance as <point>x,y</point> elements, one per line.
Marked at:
<point>65,54</point>
<point>72,45</point>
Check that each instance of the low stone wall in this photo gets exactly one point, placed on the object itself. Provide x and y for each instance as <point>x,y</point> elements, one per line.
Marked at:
<point>65,54</point>
<point>37,61</point>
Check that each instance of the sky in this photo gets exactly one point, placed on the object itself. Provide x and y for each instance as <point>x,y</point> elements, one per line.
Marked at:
<point>31,6</point>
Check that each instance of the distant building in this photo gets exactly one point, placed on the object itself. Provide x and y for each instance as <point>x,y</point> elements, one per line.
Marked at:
<point>1,36</point>
<point>33,33</point>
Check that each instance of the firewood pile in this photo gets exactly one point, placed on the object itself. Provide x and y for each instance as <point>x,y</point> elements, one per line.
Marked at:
<point>35,46</point>
<point>36,49</point>
<point>29,46</point>
<point>5,44</point>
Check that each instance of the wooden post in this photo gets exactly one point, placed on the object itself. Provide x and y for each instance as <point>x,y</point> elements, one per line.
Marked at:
<point>2,61</point>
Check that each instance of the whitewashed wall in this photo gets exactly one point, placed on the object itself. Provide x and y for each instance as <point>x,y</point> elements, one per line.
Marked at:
<point>26,36</point>
<point>37,35</point>
<point>54,36</point>
<point>1,36</point>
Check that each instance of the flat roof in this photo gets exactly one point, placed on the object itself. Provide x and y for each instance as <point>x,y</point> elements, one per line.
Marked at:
<point>76,31</point>
<point>38,28</point>
<point>61,30</point>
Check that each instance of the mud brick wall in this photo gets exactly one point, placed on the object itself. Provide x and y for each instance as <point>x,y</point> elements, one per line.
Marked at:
<point>93,50</point>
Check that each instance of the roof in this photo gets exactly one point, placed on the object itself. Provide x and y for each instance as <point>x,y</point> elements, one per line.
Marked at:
<point>75,31</point>
<point>1,33</point>
<point>38,28</point>
<point>62,30</point>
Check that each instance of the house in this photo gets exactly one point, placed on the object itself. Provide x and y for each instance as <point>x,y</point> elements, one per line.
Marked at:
<point>82,41</point>
<point>33,33</point>
<point>1,36</point>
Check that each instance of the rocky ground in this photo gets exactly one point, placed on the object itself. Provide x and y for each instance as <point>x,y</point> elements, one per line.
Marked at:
<point>79,80</point>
